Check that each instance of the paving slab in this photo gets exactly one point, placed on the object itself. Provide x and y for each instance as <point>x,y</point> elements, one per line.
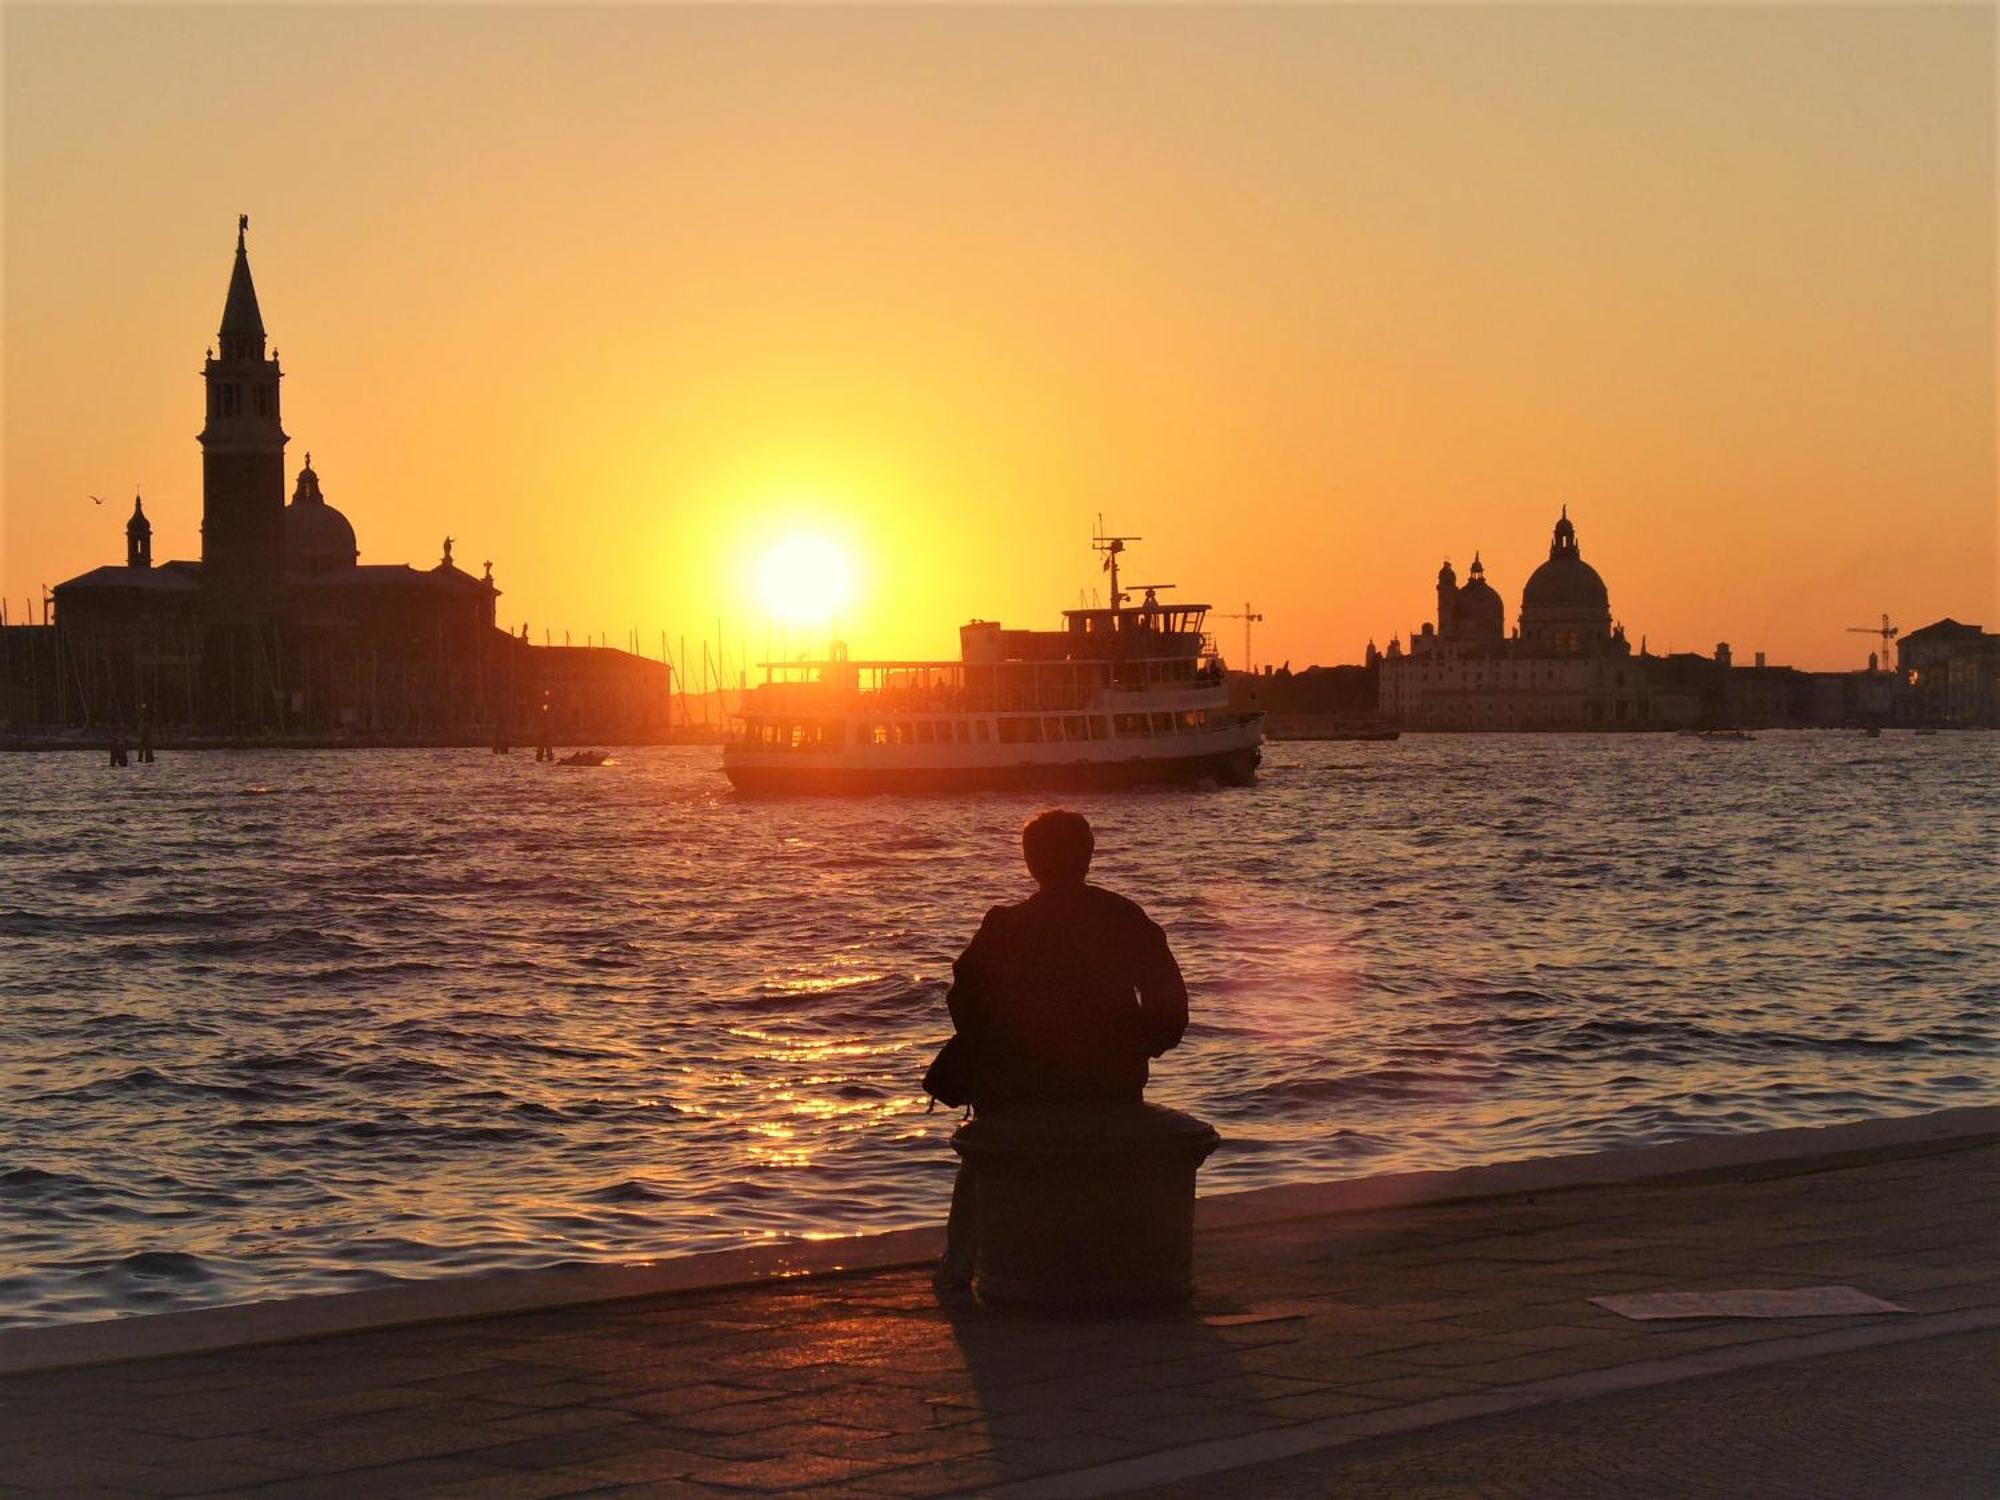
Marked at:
<point>1905,1420</point>
<point>1315,1334</point>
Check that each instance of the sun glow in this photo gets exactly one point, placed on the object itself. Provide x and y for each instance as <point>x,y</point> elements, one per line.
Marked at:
<point>804,579</point>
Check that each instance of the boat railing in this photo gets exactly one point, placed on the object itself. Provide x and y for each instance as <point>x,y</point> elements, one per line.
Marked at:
<point>1004,693</point>
<point>1050,699</point>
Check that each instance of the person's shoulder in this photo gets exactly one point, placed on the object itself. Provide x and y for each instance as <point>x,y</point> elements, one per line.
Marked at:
<point>1002,914</point>
<point>1124,907</point>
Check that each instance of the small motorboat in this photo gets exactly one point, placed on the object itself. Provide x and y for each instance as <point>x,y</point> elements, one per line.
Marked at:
<point>1362,732</point>
<point>584,758</point>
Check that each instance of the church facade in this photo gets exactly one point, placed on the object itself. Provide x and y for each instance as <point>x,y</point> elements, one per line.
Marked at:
<point>1565,666</point>
<point>281,630</point>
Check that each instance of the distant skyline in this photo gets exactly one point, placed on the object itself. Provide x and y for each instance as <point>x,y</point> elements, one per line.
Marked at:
<point>1311,299</point>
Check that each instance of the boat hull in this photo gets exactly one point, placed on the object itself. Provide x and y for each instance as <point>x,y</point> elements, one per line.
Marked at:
<point>1236,766</point>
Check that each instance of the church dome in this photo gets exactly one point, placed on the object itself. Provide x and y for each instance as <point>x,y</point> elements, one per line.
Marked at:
<point>317,537</point>
<point>1477,612</point>
<point>1565,607</point>
<point>1565,582</point>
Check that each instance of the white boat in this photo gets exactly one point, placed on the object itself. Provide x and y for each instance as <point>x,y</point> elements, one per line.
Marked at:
<point>1118,697</point>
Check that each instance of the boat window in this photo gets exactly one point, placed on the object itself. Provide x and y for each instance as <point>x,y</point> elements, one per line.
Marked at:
<point>1076,727</point>
<point>981,730</point>
<point>925,734</point>
<point>1130,725</point>
<point>879,733</point>
<point>1100,727</point>
<point>962,730</point>
<point>1163,723</point>
<point>1017,731</point>
<point>901,731</point>
<point>1190,720</point>
<point>1052,728</point>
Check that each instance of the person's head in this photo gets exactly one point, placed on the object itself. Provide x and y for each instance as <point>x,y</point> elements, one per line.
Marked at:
<point>1058,845</point>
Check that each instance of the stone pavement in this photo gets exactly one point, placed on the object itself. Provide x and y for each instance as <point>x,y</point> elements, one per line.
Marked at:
<point>1319,1344</point>
<point>1918,1419</point>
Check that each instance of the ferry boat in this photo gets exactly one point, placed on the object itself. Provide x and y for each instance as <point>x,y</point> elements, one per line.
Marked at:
<point>1118,697</point>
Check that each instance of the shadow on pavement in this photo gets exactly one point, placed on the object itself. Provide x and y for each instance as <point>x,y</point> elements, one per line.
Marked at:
<point>1054,1393</point>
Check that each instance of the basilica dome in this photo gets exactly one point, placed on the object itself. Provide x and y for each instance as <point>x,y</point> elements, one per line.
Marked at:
<point>1565,602</point>
<point>1566,583</point>
<point>1477,612</point>
<point>317,537</point>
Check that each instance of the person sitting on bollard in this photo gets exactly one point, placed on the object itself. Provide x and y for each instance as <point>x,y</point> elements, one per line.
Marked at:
<point>1059,999</point>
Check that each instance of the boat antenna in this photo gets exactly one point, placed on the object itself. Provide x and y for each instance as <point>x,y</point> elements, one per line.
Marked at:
<point>1111,547</point>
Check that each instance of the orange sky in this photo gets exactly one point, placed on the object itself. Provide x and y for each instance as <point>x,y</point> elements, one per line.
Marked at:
<point>1310,298</point>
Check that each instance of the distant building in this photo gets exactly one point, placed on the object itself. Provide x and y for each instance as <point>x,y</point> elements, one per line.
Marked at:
<point>1567,665</point>
<point>1308,703</point>
<point>1953,672</point>
<point>281,629</point>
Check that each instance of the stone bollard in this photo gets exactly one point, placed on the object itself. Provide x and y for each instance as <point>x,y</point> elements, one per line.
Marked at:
<point>1085,1208</point>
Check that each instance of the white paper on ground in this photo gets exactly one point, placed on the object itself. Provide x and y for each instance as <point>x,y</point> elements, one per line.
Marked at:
<point>1281,1312</point>
<point>1751,1302</point>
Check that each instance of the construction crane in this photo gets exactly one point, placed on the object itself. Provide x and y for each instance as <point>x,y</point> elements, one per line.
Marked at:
<point>1249,617</point>
<point>1886,631</point>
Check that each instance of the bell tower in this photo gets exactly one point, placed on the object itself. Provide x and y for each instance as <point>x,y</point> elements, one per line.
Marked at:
<point>138,537</point>
<point>242,459</point>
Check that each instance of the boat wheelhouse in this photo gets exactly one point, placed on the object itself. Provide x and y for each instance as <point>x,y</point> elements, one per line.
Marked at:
<point>1120,696</point>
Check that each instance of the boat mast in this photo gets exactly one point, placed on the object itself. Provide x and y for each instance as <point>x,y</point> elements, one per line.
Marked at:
<point>1111,546</point>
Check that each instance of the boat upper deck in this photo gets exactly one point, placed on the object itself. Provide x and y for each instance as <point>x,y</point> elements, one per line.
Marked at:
<point>1099,659</point>
<point>835,684</point>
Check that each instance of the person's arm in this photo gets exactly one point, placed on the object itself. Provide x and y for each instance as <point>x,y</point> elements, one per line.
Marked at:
<point>1163,997</point>
<point>971,990</point>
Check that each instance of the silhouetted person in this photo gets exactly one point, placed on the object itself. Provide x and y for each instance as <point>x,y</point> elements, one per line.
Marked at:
<point>1061,999</point>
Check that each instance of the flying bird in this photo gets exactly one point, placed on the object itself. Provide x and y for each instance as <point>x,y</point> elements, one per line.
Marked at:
<point>96,500</point>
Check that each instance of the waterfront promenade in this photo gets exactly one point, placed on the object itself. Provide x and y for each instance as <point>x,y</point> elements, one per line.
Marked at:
<point>1423,1334</point>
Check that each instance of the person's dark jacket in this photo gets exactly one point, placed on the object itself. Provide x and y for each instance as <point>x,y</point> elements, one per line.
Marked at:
<point>1063,997</point>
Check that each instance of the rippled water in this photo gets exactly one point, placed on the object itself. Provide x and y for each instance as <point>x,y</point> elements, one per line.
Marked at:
<point>283,1023</point>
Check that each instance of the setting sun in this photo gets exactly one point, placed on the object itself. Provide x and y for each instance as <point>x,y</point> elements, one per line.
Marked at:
<point>804,579</point>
